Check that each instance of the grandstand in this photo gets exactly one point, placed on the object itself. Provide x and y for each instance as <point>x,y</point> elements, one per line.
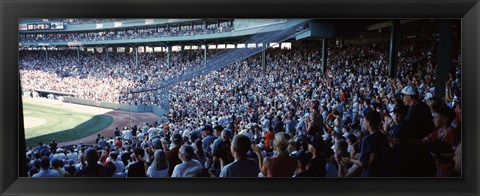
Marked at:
<point>248,76</point>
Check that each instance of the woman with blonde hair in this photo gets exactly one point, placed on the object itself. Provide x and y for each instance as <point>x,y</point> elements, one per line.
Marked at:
<point>281,164</point>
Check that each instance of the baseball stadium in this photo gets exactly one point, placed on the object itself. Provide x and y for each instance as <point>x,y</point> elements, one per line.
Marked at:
<point>241,97</point>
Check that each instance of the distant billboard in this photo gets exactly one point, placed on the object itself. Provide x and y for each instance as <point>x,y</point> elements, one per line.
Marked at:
<point>40,26</point>
<point>43,26</point>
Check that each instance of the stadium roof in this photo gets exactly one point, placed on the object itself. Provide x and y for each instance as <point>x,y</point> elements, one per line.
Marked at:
<point>344,28</point>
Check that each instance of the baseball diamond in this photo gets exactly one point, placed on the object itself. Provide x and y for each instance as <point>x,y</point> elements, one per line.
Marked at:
<point>68,123</point>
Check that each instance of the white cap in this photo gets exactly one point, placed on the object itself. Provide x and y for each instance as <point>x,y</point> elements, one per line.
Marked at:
<point>409,90</point>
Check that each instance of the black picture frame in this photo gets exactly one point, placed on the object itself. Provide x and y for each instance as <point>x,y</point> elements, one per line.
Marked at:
<point>10,116</point>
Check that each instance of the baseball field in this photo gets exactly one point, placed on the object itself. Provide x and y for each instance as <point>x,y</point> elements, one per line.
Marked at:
<point>68,123</point>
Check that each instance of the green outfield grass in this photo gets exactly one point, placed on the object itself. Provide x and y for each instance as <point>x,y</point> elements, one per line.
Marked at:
<point>61,124</point>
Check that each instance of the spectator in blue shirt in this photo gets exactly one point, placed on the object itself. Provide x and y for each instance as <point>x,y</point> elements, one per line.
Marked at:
<point>375,150</point>
<point>208,140</point>
<point>45,171</point>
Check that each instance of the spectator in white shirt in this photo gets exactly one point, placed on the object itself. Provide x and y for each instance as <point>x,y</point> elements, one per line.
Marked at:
<point>189,167</point>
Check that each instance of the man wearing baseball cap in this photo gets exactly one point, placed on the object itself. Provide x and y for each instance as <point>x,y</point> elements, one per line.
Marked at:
<point>419,115</point>
<point>403,154</point>
<point>419,123</point>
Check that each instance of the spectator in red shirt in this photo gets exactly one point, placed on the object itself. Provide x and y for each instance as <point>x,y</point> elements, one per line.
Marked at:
<point>442,141</point>
<point>118,142</point>
<point>105,154</point>
<point>269,135</point>
<point>281,165</point>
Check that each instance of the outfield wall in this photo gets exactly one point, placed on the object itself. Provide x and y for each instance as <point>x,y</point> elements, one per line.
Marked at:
<point>131,108</point>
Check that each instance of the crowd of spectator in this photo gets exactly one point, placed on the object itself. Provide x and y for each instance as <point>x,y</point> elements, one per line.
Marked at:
<point>95,77</point>
<point>133,33</point>
<point>286,119</point>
